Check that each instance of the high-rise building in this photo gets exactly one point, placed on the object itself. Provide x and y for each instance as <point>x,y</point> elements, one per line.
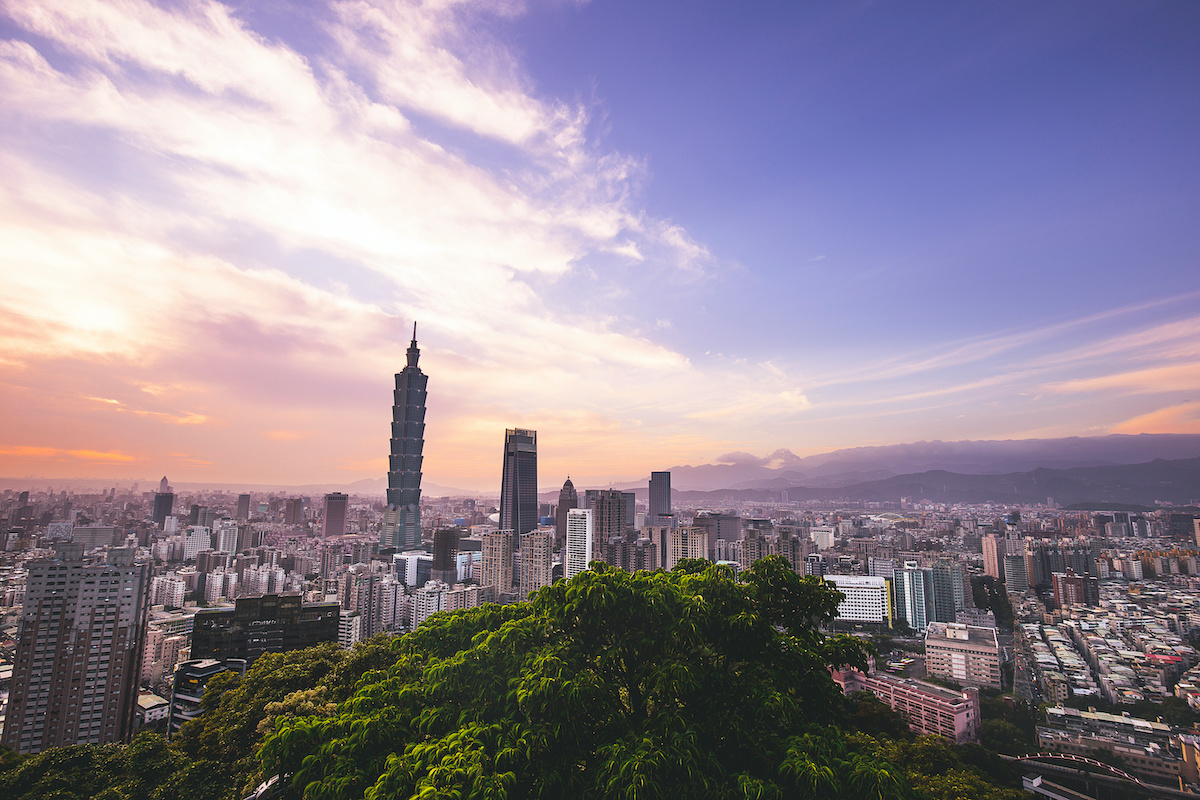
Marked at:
<point>660,499</point>
<point>866,598</point>
<point>497,569</point>
<point>568,498</point>
<point>164,486</point>
<point>164,506</point>
<point>537,551</point>
<point>685,542</point>
<point>580,536</point>
<point>610,517</point>
<point>993,556</point>
<point>445,552</point>
<point>267,624</point>
<point>334,517</point>
<point>243,507</point>
<point>293,511</point>
<point>1073,589</point>
<point>1016,574</point>
<point>723,530</point>
<point>79,651</point>
<point>402,522</point>
<point>518,484</point>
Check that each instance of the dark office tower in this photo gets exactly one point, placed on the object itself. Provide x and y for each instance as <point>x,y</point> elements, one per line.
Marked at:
<point>660,499</point>
<point>518,484</point>
<point>402,520</point>
<point>568,498</point>
<point>268,624</point>
<point>164,506</point>
<point>445,555</point>
<point>243,508</point>
<point>194,514</point>
<point>334,523</point>
<point>293,511</point>
<point>79,651</point>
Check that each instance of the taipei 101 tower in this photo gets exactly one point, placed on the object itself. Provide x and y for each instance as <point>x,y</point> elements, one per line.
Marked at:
<point>402,520</point>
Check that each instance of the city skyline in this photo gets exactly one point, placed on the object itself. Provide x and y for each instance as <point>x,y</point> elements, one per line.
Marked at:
<point>755,229</point>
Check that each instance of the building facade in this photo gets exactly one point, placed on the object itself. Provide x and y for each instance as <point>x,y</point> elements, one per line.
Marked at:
<point>867,598</point>
<point>333,520</point>
<point>568,498</point>
<point>964,654</point>
<point>580,535</point>
<point>79,651</point>
<point>930,710</point>
<point>267,624</point>
<point>660,500</point>
<point>518,482</point>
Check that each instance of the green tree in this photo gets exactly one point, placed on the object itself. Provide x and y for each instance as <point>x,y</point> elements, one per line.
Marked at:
<point>681,684</point>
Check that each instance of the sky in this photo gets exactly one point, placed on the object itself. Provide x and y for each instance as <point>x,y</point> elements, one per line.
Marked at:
<point>657,233</point>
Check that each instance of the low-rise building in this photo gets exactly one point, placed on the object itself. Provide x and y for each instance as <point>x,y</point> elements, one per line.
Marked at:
<point>963,653</point>
<point>929,709</point>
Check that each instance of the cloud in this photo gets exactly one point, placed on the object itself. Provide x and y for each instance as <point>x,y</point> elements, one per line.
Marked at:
<point>1181,418</point>
<point>25,451</point>
<point>231,234</point>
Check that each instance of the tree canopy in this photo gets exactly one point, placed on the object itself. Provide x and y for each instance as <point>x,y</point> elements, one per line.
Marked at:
<point>683,684</point>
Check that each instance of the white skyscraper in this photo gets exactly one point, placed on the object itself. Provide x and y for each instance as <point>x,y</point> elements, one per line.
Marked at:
<point>579,542</point>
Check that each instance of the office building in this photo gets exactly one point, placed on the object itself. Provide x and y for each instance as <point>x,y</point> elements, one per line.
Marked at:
<point>257,625</point>
<point>580,537</point>
<point>723,530</point>
<point>243,507</point>
<point>823,536</point>
<point>191,679</point>
<point>518,483</point>
<point>79,651</point>
<point>963,653</point>
<point>866,598</point>
<point>537,561</point>
<point>333,518</point>
<point>914,596</point>
<point>568,498</point>
<point>930,710</point>
<point>660,499</point>
<point>402,519</point>
<point>225,536</point>
<point>445,555</point>
<point>164,506</point>
<point>497,561</point>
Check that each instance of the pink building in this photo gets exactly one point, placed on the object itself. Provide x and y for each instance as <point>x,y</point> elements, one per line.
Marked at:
<point>929,709</point>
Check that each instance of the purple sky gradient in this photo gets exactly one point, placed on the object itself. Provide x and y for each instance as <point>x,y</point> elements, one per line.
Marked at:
<point>654,232</point>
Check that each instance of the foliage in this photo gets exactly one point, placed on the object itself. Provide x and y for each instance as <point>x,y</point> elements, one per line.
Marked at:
<point>681,684</point>
<point>651,685</point>
<point>213,756</point>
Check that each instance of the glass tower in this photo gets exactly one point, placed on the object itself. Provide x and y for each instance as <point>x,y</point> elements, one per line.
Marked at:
<point>402,520</point>
<point>518,484</point>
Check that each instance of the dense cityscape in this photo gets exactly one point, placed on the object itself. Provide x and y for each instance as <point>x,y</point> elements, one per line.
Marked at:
<point>121,606</point>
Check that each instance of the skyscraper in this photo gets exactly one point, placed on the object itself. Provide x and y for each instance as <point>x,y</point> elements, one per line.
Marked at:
<point>164,506</point>
<point>660,499</point>
<point>445,555</point>
<point>402,521</point>
<point>518,484</point>
<point>334,517</point>
<point>568,498</point>
<point>79,651</point>
<point>610,518</point>
<point>243,507</point>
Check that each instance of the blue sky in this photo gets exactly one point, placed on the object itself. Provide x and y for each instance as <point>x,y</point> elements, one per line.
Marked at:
<point>655,232</point>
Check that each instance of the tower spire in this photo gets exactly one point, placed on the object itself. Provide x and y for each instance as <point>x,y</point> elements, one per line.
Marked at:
<point>413,352</point>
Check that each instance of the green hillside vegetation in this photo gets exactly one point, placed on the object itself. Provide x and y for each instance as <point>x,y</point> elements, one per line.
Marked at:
<point>687,684</point>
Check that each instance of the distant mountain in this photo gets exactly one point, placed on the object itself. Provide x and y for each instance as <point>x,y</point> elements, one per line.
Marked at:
<point>1147,484</point>
<point>848,467</point>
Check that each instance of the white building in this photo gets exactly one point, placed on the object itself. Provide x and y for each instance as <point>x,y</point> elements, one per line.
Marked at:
<point>866,598</point>
<point>349,629</point>
<point>167,590</point>
<point>686,542</point>
<point>427,601</point>
<point>537,561</point>
<point>580,524</point>
<point>195,539</point>
<point>822,537</point>
<point>225,535</point>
